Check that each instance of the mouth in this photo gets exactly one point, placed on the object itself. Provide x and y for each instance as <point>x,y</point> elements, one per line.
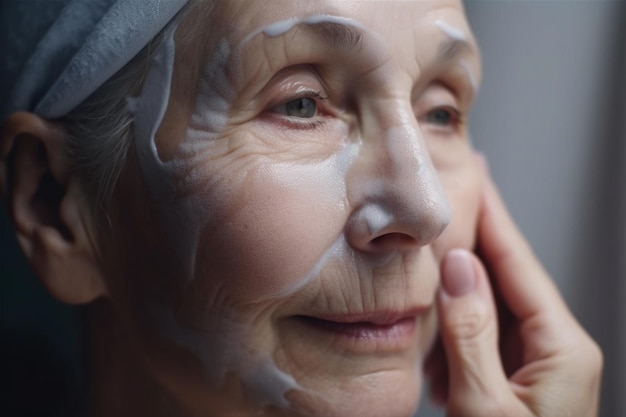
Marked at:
<point>381,332</point>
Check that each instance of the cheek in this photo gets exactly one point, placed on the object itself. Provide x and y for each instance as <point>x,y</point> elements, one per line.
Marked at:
<point>262,238</point>
<point>463,189</point>
<point>264,241</point>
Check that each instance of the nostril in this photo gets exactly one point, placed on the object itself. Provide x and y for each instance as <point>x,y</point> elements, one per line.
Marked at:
<point>392,241</point>
<point>379,226</point>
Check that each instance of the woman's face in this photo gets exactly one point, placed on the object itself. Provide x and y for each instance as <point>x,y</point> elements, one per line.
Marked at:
<point>301,169</point>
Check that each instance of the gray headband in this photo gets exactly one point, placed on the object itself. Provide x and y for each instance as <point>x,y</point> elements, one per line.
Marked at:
<point>58,52</point>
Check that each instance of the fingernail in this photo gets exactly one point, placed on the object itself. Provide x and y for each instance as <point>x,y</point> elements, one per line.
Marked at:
<point>457,275</point>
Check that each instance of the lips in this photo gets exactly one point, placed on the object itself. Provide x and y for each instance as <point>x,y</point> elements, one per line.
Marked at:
<point>372,332</point>
<point>365,329</point>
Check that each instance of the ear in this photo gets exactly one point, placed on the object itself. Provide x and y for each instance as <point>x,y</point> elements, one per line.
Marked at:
<point>45,203</point>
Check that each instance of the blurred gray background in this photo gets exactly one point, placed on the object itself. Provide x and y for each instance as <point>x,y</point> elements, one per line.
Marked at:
<point>551,118</point>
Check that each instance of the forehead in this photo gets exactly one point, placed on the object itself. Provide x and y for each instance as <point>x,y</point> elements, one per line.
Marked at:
<point>401,23</point>
<point>380,16</point>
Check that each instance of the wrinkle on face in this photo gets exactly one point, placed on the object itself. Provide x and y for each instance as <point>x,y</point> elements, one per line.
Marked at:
<point>232,195</point>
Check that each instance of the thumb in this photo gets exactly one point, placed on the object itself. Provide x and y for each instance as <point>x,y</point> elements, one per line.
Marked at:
<point>477,384</point>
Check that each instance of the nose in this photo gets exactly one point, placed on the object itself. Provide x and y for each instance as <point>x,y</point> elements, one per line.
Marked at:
<point>398,202</point>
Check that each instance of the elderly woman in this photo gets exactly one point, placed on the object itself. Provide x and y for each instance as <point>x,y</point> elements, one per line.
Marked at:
<point>271,209</point>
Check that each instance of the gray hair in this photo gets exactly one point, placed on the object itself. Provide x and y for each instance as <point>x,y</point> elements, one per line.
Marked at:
<point>100,130</point>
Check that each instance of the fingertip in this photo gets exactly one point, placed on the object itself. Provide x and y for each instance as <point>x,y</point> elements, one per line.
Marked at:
<point>458,274</point>
<point>469,332</point>
<point>465,302</point>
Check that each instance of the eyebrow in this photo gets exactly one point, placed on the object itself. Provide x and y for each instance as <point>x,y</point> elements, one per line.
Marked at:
<point>452,48</point>
<point>336,35</point>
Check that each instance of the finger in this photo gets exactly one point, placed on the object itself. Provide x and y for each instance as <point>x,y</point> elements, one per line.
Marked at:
<point>469,332</point>
<point>522,281</point>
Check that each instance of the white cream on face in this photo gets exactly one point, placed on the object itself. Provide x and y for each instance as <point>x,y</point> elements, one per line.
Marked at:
<point>376,218</point>
<point>458,35</point>
<point>224,349</point>
<point>149,109</point>
<point>409,189</point>
<point>186,196</point>
<point>283,26</point>
<point>215,97</point>
<point>451,31</point>
<point>233,353</point>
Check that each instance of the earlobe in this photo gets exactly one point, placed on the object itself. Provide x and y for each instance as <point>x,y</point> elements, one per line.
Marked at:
<point>45,203</point>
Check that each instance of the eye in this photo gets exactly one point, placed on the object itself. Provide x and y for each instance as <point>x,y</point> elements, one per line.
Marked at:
<point>300,107</point>
<point>304,107</point>
<point>444,116</point>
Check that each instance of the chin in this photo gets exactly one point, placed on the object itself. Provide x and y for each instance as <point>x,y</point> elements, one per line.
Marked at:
<point>341,379</point>
<point>393,393</point>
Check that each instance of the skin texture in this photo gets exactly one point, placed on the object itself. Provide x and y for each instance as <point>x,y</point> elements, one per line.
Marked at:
<point>358,212</point>
<point>272,194</point>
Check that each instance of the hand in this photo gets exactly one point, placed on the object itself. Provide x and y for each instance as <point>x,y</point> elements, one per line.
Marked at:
<point>535,360</point>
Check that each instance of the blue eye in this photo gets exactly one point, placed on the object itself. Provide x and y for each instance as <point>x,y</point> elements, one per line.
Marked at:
<point>301,107</point>
<point>443,116</point>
